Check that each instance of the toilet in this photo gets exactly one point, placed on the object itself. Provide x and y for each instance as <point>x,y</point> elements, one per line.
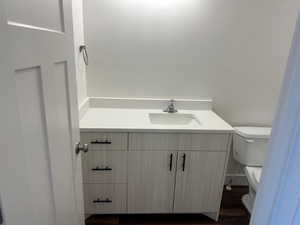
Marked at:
<point>250,145</point>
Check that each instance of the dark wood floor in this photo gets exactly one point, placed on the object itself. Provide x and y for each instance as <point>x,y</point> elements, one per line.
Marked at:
<point>232,213</point>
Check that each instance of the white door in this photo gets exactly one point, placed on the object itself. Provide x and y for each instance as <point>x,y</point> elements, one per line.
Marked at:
<point>278,197</point>
<point>199,182</point>
<point>38,117</point>
<point>151,177</point>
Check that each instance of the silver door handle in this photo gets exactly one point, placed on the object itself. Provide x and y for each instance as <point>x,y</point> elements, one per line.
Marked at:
<point>81,147</point>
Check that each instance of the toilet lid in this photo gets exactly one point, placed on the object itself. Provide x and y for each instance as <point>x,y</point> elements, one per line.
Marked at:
<point>254,132</point>
<point>253,175</point>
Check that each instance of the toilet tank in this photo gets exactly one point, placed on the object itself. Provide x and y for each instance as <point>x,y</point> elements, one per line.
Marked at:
<point>250,145</point>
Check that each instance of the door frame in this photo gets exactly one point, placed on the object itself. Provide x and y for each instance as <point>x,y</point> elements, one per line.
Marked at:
<point>278,198</point>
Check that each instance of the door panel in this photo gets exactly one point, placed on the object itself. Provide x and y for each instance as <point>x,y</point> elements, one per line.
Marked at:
<point>59,138</point>
<point>150,181</point>
<point>199,186</point>
<point>29,93</point>
<point>52,18</point>
<point>39,172</point>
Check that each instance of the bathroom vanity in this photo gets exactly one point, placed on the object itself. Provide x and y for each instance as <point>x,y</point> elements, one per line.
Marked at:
<point>139,164</point>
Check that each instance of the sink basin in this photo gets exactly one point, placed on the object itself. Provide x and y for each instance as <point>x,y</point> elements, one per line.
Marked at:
<point>173,119</point>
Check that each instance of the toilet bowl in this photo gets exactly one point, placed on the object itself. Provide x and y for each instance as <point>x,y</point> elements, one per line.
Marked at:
<point>253,175</point>
<point>249,149</point>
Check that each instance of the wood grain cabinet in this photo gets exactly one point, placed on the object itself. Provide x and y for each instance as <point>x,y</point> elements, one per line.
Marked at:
<point>105,141</point>
<point>105,198</point>
<point>105,172</point>
<point>105,167</point>
<point>155,172</point>
<point>151,177</point>
<point>199,181</point>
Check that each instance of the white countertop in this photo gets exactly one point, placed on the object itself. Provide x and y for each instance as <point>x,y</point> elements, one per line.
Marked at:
<point>137,120</point>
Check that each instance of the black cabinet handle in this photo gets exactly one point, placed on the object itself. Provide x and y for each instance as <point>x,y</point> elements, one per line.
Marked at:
<point>98,200</point>
<point>183,161</point>
<point>171,162</point>
<point>101,168</point>
<point>96,142</point>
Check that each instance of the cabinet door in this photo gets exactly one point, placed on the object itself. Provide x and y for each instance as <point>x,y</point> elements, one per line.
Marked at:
<point>151,177</point>
<point>199,181</point>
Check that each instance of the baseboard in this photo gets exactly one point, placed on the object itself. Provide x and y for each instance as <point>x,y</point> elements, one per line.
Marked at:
<point>236,180</point>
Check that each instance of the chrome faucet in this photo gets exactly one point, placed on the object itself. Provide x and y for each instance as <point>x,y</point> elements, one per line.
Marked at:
<point>171,107</point>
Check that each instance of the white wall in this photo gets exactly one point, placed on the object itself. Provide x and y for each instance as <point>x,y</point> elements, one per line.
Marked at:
<point>79,40</point>
<point>233,51</point>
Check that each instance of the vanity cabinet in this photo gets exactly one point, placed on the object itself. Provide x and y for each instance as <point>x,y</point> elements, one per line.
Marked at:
<point>199,181</point>
<point>105,172</point>
<point>155,172</point>
<point>151,178</point>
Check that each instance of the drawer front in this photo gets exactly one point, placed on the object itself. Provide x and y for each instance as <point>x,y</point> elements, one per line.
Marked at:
<point>105,141</point>
<point>105,167</point>
<point>105,198</point>
<point>204,142</point>
<point>153,141</point>
<point>181,142</point>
